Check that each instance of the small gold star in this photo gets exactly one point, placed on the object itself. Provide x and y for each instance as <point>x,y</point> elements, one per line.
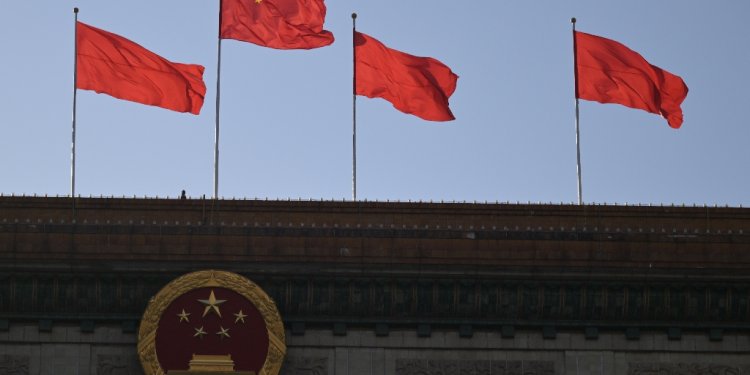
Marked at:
<point>199,332</point>
<point>240,317</point>
<point>184,316</point>
<point>258,1</point>
<point>212,304</point>
<point>224,332</point>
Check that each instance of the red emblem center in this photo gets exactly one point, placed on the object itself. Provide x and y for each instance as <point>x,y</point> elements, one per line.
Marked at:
<point>211,321</point>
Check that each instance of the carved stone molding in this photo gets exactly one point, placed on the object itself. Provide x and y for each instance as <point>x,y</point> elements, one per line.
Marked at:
<point>538,367</point>
<point>306,296</point>
<point>117,365</point>
<point>14,364</point>
<point>685,369</point>
<point>476,367</point>
<point>305,366</point>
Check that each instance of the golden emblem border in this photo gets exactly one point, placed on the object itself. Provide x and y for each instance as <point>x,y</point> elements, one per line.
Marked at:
<point>208,278</point>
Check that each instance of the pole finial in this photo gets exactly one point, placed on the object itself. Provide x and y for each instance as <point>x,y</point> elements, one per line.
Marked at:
<point>573,20</point>
<point>75,10</point>
<point>354,16</point>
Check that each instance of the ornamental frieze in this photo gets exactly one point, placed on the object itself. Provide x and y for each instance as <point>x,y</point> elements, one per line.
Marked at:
<point>686,369</point>
<point>473,367</point>
<point>308,296</point>
<point>14,364</point>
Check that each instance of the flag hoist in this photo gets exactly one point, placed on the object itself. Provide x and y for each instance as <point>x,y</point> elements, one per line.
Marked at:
<point>218,102</point>
<point>578,132</point>
<point>75,96</point>
<point>354,106</point>
<point>607,71</point>
<point>278,24</point>
<point>420,86</point>
<point>110,64</point>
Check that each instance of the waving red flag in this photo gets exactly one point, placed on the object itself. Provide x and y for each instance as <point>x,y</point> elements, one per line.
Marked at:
<point>110,64</point>
<point>609,72</point>
<point>417,85</point>
<point>280,24</point>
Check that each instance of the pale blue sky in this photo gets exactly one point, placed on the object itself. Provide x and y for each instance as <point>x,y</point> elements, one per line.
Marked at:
<point>286,115</point>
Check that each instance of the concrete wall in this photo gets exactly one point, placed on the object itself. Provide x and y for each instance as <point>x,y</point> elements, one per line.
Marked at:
<point>108,351</point>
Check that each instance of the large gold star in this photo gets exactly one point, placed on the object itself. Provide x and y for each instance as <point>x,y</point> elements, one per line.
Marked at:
<point>199,332</point>
<point>223,332</point>
<point>240,317</point>
<point>258,1</point>
<point>212,304</point>
<point>184,316</point>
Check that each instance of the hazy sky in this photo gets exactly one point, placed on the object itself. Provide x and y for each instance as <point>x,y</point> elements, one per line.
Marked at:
<point>286,115</point>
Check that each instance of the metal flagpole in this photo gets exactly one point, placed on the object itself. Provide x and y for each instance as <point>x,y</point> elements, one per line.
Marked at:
<point>354,106</point>
<point>578,133</point>
<point>218,99</point>
<point>75,92</point>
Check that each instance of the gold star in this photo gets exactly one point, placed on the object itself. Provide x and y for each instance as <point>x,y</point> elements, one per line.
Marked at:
<point>240,317</point>
<point>224,332</point>
<point>184,316</point>
<point>212,304</point>
<point>199,332</point>
<point>258,1</point>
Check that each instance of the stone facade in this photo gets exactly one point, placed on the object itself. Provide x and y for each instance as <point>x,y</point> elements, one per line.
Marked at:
<point>389,288</point>
<point>108,351</point>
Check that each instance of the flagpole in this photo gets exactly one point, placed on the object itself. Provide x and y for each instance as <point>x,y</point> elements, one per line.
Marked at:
<point>218,100</point>
<point>354,106</point>
<point>75,92</point>
<point>578,133</point>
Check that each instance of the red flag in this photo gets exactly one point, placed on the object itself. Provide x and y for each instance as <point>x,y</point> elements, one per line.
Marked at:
<point>280,24</point>
<point>609,72</point>
<point>110,64</point>
<point>417,85</point>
